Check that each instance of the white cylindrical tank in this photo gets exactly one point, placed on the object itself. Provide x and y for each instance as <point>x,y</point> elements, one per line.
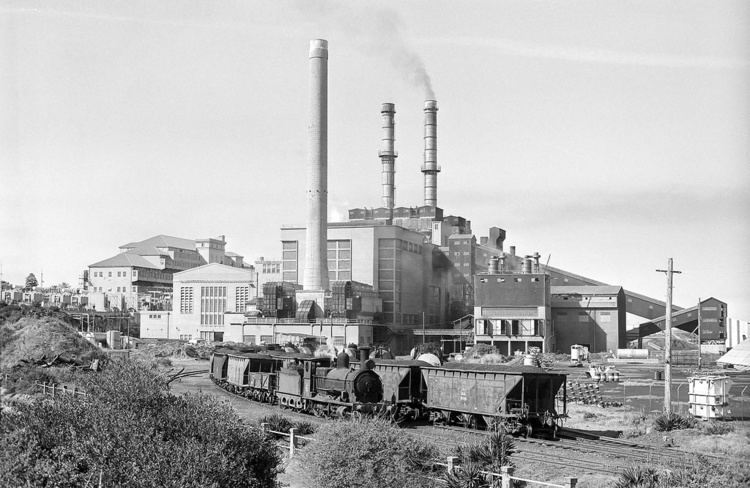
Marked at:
<point>575,352</point>
<point>632,353</point>
<point>429,358</point>
<point>529,360</point>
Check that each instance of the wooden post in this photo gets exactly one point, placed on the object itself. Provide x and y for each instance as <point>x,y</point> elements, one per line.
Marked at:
<point>452,463</point>
<point>668,340</point>
<point>572,482</point>
<point>506,472</point>
<point>291,442</point>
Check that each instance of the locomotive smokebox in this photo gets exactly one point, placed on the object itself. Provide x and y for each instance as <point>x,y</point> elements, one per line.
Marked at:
<point>364,355</point>
<point>342,360</point>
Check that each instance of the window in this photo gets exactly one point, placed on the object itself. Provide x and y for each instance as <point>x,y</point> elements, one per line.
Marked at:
<point>213,304</point>
<point>135,289</point>
<point>339,259</point>
<point>248,339</point>
<point>266,339</point>
<point>109,274</point>
<point>241,297</point>
<point>289,261</point>
<point>339,341</point>
<point>186,299</point>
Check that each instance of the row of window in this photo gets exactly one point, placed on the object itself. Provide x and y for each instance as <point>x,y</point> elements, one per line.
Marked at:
<point>120,274</point>
<point>213,304</point>
<point>119,289</point>
<point>399,244</point>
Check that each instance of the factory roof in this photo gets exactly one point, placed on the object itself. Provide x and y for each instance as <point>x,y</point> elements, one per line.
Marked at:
<point>125,259</point>
<point>738,356</point>
<point>147,251</point>
<point>215,272</point>
<point>585,290</point>
<point>162,241</point>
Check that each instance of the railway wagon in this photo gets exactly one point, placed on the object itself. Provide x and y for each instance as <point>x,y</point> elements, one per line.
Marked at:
<point>521,399</point>
<point>253,375</point>
<point>404,389</point>
<point>218,365</point>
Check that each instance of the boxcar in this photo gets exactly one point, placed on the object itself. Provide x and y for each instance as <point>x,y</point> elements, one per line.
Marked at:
<point>520,398</point>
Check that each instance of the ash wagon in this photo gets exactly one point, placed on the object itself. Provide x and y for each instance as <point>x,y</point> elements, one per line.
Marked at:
<point>522,399</point>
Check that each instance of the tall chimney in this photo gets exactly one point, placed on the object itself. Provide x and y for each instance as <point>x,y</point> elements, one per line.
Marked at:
<point>388,156</point>
<point>316,261</point>
<point>430,167</point>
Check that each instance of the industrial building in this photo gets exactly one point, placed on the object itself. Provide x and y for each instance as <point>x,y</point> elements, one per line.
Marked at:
<point>423,273</point>
<point>140,276</point>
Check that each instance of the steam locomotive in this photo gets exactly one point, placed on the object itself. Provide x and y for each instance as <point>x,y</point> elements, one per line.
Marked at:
<point>300,382</point>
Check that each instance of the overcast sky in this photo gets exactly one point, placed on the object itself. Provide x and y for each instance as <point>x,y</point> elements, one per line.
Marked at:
<point>607,135</point>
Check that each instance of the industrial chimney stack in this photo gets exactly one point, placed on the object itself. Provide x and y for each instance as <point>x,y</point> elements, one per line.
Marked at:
<point>388,156</point>
<point>430,167</point>
<point>316,261</point>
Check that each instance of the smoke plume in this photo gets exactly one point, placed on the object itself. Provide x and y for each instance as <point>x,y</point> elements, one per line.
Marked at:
<point>378,32</point>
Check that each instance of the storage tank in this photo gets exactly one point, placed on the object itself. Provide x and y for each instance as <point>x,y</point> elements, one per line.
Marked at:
<point>632,354</point>
<point>708,396</point>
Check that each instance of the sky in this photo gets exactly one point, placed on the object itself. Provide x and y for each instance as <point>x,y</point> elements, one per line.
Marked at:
<point>607,135</point>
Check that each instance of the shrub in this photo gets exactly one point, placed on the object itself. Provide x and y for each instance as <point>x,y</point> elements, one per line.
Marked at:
<point>717,428</point>
<point>277,422</point>
<point>640,477</point>
<point>673,421</point>
<point>589,415</point>
<point>304,427</point>
<point>130,431</point>
<point>366,453</point>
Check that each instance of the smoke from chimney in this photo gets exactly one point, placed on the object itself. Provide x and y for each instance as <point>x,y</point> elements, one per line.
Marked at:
<point>374,31</point>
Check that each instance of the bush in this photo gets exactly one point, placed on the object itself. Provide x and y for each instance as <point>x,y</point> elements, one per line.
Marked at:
<point>673,421</point>
<point>491,455</point>
<point>640,477</point>
<point>589,416</point>
<point>277,422</point>
<point>366,453</point>
<point>717,428</point>
<point>130,431</point>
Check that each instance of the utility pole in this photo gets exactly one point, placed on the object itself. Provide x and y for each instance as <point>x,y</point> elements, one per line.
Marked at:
<point>422,327</point>
<point>668,340</point>
<point>699,334</point>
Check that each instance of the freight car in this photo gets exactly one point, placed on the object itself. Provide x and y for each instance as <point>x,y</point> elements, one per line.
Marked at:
<point>521,399</point>
<point>404,389</point>
<point>300,382</point>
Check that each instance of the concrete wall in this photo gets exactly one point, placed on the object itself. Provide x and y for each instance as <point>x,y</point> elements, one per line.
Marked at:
<point>155,325</point>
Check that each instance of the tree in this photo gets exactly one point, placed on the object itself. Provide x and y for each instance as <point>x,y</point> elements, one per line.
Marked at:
<point>31,282</point>
<point>130,431</point>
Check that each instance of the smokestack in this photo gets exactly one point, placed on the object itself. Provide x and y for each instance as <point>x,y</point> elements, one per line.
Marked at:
<point>388,155</point>
<point>512,250</point>
<point>364,355</point>
<point>316,260</point>
<point>536,257</point>
<point>430,167</point>
<point>527,265</point>
<point>494,261</point>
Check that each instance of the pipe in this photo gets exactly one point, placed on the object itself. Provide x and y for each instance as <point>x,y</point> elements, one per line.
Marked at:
<point>388,155</point>
<point>430,167</point>
<point>315,275</point>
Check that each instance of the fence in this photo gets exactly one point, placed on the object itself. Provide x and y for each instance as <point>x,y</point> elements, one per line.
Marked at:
<point>292,435</point>
<point>505,476</point>
<point>53,389</point>
<point>648,395</point>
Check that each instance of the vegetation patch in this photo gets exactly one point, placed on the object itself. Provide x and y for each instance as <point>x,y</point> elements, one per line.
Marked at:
<point>367,453</point>
<point>130,431</point>
<point>673,421</point>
